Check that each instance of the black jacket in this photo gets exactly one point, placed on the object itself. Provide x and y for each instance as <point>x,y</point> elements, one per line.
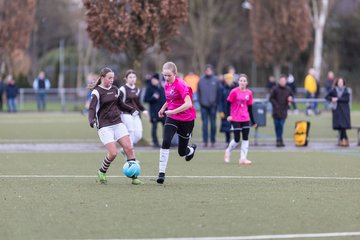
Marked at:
<point>154,103</point>
<point>12,91</point>
<point>279,100</point>
<point>223,105</point>
<point>341,114</point>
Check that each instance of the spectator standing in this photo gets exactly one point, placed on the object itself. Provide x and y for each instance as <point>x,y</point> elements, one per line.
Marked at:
<point>232,71</point>
<point>155,96</point>
<point>329,84</point>
<point>311,88</point>
<point>192,80</point>
<point>207,91</point>
<point>292,85</point>
<point>2,90</point>
<point>339,97</point>
<point>223,105</point>
<point>12,91</point>
<point>90,81</point>
<point>269,86</point>
<point>41,85</point>
<point>147,79</point>
<point>280,98</point>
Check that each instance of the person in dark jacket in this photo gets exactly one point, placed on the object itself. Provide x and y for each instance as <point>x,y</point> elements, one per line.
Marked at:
<point>280,98</point>
<point>223,106</point>
<point>339,97</point>
<point>208,88</point>
<point>155,96</point>
<point>12,91</point>
<point>329,83</point>
<point>292,85</point>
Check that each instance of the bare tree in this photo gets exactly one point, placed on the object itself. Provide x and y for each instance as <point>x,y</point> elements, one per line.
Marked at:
<point>132,26</point>
<point>281,30</point>
<point>16,22</point>
<point>320,10</point>
<point>213,27</point>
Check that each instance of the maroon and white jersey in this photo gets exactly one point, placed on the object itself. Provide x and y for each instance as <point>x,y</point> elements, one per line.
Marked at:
<point>131,97</point>
<point>106,105</point>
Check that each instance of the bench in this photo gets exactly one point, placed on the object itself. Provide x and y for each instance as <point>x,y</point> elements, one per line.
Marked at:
<point>358,133</point>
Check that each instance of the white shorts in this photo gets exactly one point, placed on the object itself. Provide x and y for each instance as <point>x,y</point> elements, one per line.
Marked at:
<point>133,124</point>
<point>112,133</point>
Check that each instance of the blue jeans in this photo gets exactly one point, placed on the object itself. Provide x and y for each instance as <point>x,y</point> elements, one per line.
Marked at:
<point>206,113</point>
<point>11,105</point>
<point>41,101</point>
<point>279,127</point>
<point>311,105</point>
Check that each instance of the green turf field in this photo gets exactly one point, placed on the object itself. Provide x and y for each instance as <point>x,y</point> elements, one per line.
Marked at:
<point>54,194</point>
<point>74,127</point>
<point>282,193</point>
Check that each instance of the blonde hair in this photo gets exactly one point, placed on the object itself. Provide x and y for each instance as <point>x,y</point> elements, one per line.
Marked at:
<point>170,66</point>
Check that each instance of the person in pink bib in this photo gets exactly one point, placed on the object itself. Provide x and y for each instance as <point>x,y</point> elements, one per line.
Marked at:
<point>240,102</point>
<point>180,118</point>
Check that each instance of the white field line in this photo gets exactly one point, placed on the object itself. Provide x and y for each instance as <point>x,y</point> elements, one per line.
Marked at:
<point>261,237</point>
<point>190,177</point>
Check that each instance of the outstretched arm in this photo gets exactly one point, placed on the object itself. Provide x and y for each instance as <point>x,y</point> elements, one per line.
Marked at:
<point>123,106</point>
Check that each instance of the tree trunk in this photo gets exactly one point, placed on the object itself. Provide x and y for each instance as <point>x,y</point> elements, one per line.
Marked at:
<point>319,24</point>
<point>277,71</point>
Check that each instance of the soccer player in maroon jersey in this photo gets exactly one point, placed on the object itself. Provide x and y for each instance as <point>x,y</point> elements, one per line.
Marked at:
<point>104,114</point>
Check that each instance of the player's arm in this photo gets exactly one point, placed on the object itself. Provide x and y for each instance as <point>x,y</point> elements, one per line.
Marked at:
<point>92,109</point>
<point>123,106</point>
<point>138,102</point>
<point>251,116</point>
<point>162,110</point>
<point>186,105</point>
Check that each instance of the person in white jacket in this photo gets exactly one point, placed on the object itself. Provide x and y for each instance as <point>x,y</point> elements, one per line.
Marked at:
<point>41,85</point>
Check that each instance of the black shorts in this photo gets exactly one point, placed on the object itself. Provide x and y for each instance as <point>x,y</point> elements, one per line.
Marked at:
<point>184,129</point>
<point>238,126</point>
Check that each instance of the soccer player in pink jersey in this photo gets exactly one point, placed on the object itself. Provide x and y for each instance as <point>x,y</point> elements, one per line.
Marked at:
<point>240,100</point>
<point>180,118</point>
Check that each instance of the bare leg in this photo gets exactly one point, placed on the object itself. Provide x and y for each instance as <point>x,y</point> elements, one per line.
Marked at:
<point>125,143</point>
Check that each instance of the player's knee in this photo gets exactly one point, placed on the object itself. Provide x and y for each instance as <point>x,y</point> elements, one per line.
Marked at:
<point>112,155</point>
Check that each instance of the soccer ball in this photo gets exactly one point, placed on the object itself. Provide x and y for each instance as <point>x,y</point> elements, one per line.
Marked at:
<point>131,169</point>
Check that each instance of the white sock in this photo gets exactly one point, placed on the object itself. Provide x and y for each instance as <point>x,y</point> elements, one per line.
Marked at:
<point>232,146</point>
<point>244,150</point>
<point>164,157</point>
<point>191,150</point>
